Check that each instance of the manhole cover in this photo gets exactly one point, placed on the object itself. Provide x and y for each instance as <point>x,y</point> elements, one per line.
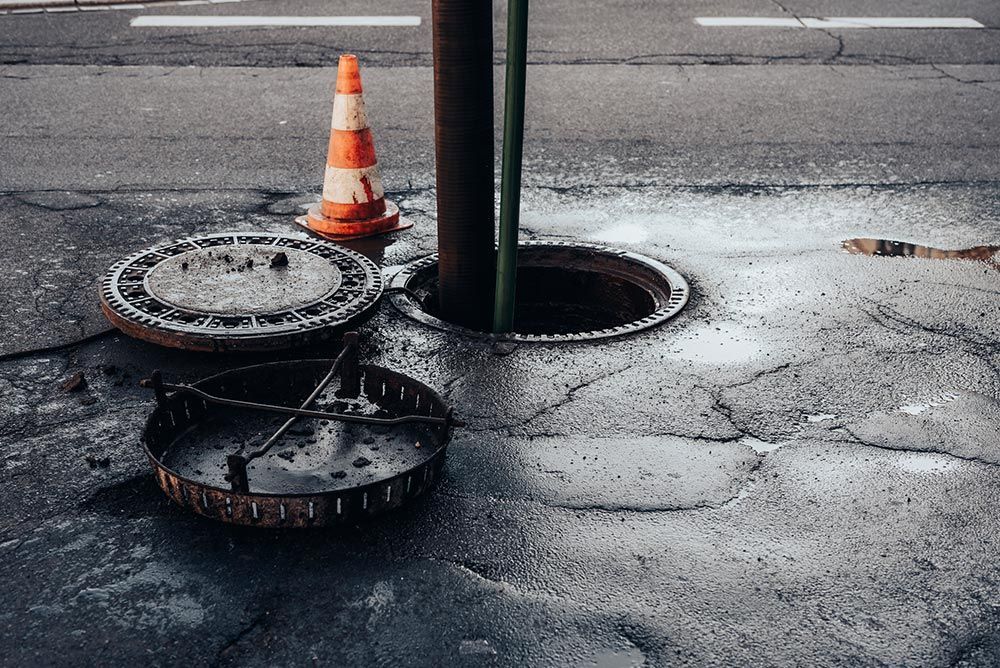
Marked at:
<point>239,292</point>
<point>565,292</point>
<point>297,443</point>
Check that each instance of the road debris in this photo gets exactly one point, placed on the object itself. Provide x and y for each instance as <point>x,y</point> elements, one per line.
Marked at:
<point>75,383</point>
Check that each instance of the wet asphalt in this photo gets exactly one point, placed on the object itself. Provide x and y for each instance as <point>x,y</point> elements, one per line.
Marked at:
<point>800,469</point>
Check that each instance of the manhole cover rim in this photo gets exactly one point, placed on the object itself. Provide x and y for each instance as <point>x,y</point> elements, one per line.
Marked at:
<point>140,324</point>
<point>680,293</point>
<point>207,496</point>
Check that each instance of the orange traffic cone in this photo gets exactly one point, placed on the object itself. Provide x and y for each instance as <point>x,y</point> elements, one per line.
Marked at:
<point>354,204</point>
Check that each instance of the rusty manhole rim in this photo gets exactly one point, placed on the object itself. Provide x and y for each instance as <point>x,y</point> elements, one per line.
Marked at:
<point>669,305</point>
<point>291,510</point>
<point>298,327</point>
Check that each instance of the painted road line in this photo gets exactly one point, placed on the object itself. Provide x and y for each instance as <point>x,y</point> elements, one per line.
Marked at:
<point>749,21</point>
<point>270,21</point>
<point>892,22</point>
<point>838,22</point>
<point>68,6</point>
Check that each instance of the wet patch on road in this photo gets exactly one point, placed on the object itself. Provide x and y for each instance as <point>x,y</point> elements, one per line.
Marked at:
<point>640,474</point>
<point>718,343</point>
<point>59,200</point>
<point>760,506</point>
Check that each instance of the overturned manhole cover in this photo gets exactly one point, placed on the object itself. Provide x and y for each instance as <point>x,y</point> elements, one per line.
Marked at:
<point>565,292</point>
<point>297,444</point>
<point>240,292</point>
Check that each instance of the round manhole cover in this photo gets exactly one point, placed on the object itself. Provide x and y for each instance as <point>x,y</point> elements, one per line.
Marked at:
<point>239,292</point>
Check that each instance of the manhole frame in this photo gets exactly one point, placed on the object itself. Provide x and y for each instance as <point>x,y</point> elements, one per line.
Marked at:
<point>178,411</point>
<point>399,293</point>
<point>299,329</point>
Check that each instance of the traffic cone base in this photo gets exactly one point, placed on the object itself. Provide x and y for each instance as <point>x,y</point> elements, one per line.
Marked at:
<point>341,229</point>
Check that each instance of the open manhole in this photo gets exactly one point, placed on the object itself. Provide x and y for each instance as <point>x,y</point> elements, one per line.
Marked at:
<point>565,292</point>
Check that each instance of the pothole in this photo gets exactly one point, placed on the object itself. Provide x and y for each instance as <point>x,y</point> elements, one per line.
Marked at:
<point>566,292</point>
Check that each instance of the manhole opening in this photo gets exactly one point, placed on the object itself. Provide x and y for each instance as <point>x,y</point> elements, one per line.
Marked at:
<point>558,300</point>
<point>565,292</point>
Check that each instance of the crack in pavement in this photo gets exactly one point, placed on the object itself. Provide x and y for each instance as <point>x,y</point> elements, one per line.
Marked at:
<point>977,83</point>
<point>60,347</point>
<point>721,407</point>
<point>857,440</point>
<point>470,570</point>
<point>838,38</point>
<point>964,334</point>
<point>307,55</point>
<point>568,398</point>
<point>230,645</point>
<point>734,187</point>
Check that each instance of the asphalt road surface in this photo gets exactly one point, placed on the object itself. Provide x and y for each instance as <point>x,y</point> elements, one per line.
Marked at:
<point>801,469</point>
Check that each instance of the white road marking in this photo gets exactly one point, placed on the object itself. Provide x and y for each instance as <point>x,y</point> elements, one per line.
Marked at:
<point>892,22</point>
<point>748,21</point>
<point>270,21</point>
<point>838,22</point>
<point>121,5</point>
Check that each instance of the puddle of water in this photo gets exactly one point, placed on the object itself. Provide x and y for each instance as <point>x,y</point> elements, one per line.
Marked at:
<point>618,659</point>
<point>889,248</point>
<point>759,446</point>
<point>712,344</point>
<point>630,473</point>
<point>929,463</point>
<point>920,407</point>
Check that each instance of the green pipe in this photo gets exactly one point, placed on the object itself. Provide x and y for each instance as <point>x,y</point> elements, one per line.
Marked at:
<point>510,179</point>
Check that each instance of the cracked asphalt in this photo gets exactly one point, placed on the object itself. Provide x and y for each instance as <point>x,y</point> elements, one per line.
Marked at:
<point>800,469</point>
